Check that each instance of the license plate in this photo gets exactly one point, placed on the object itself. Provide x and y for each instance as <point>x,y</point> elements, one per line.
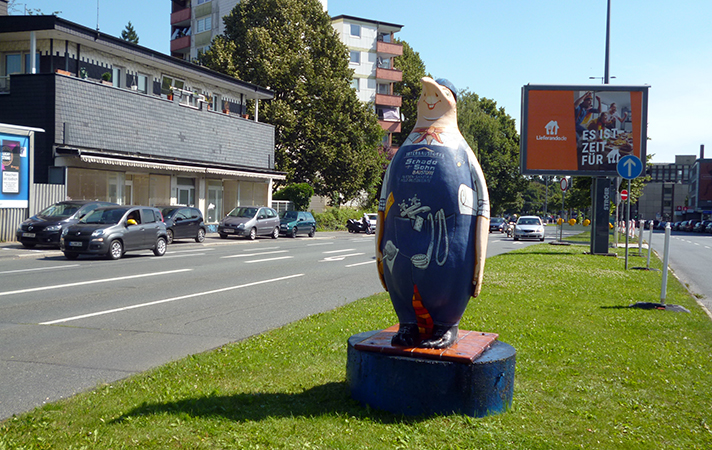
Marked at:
<point>228,230</point>
<point>75,244</point>
<point>28,234</point>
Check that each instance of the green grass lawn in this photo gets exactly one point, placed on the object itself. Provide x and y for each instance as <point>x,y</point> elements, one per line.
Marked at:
<point>591,373</point>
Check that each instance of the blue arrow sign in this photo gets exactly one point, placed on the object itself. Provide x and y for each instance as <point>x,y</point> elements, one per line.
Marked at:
<point>629,167</point>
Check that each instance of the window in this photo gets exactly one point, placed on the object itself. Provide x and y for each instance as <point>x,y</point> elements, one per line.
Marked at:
<point>28,60</point>
<point>142,83</point>
<point>186,191</point>
<point>148,215</point>
<point>200,2</point>
<point>355,57</point>
<point>354,84</point>
<point>205,24</point>
<point>384,89</point>
<point>384,37</point>
<point>355,30</point>
<point>169,82</point>
<point>117,76</point>
<point>13,64</point>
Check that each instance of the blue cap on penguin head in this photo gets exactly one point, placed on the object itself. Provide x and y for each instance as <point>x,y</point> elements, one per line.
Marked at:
<point>445,82</point>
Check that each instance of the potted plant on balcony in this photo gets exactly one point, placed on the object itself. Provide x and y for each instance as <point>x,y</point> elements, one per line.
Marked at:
<point>106,78</point>
<point>83,73</point>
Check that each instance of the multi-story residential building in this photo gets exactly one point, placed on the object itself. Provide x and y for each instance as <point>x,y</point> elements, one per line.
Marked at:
<point>666,195</point>
<point>127,124</point>
<point>372,50</point>
<point>194,24</point>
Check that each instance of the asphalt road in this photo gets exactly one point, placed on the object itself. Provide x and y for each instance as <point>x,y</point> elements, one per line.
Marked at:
<point>68,326</point>
<point>691,260</point>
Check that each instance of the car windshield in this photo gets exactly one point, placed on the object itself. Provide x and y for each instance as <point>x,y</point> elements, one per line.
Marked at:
<point>243,211</point>
<point>528,221</point>
<point>104,216</point>
<point>497,220</point>
<point>289,215</point>
<point>60,210</point>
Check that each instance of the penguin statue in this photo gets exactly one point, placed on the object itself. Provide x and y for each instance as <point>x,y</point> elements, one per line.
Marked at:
<point>433,224</point>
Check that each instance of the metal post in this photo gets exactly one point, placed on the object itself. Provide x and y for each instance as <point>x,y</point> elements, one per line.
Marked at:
<point>627,226</point>
<point>663,290</point>
<point>640,240</point>
<point>650,243</point>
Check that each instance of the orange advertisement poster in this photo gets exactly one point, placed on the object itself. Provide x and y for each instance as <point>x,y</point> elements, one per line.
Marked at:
<point>583,130</point>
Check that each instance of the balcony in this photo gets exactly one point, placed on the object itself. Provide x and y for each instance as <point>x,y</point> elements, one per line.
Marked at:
<point>391,127</point>
<point>181,17</point>
<point>389,48</point>
<point>181,43</point>
<point>389,100</point>
<point>393,75</point>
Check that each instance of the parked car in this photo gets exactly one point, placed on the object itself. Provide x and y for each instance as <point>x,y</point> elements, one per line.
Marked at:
<point>250,221</point>
<point>529,227</point>
<point>373,220</point>
<point>183,222</point>
<point>45,227</point>
<point>292,223</point>
<point>690,225</point>
<point>114,230</point>
<point>497,224</point>
<point>700,227</point>
<point>709,228</point>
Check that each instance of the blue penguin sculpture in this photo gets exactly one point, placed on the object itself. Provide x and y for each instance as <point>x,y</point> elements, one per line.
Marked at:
<point>433,224</point>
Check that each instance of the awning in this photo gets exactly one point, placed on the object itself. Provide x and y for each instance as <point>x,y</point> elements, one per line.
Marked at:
<point>177,167</point>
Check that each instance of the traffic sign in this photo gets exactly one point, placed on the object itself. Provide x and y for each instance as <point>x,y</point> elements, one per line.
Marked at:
<point>624,195</point>
<point>629,167</point>
<point>564,183</point>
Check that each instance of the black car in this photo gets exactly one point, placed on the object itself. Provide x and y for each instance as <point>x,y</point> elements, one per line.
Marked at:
<point>45,227</point>
<point>115,230</point>
<point>183,222</point>
<point>496,224</point>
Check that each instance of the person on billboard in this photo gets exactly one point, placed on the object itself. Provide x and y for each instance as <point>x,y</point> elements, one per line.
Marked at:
<point>613,116</point>
<point>583,108</point>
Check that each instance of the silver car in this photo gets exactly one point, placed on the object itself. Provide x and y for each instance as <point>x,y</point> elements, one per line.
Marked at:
<point>529,227</point>
<point>250,222</point>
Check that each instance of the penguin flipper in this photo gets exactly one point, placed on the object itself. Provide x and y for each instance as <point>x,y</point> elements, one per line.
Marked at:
<point>481,238</point>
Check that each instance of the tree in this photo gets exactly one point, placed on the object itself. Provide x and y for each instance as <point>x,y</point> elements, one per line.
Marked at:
<point>13,8</point>
<point>493,137</point>
<point>324,135</point>
<point>299,194</point>
<point>409,89</point>
<point>129,34</point>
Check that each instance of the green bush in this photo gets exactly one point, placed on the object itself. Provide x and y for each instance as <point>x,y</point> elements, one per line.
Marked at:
<point>299,194</point>
<point>334,219</point>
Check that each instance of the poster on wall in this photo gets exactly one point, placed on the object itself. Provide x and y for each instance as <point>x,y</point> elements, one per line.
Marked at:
<point>14,192</point>
<point>581,130</point>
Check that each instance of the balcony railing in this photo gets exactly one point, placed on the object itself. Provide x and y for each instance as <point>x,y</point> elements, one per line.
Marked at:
<point>181,16</point>
<point>389,48</point>
<point>180,43</point>
<point>391,127</point>
<point>394,75</point>
<point>389,100</point>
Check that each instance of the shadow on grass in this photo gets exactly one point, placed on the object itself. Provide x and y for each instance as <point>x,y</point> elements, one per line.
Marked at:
<point>330,398</point>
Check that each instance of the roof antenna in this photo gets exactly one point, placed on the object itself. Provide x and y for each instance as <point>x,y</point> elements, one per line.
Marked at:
<point>97,15</point>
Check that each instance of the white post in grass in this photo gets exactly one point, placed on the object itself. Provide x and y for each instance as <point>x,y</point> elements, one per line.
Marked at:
<point>666,258</point>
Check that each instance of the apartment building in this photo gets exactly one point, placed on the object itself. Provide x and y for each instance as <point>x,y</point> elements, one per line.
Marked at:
<point>127,124</point>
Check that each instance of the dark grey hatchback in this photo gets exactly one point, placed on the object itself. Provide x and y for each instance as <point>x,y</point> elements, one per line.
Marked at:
<point>113,231</point>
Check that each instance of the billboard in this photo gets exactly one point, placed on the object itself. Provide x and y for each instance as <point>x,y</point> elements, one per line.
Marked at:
<point>581,130</point>
<point>15,174</point>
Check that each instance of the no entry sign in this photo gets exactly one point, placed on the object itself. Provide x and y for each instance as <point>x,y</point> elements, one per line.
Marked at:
<point>624,195</point>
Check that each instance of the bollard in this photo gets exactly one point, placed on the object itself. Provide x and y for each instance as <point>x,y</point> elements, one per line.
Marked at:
<point>640,240</point>
<point>666,255</point>
<point>650,243</point>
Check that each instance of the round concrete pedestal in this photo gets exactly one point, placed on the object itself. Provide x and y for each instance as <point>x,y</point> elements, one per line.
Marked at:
<point>415,386</point>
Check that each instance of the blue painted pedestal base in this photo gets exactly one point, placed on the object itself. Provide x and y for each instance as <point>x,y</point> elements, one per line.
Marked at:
<point>415,386</point>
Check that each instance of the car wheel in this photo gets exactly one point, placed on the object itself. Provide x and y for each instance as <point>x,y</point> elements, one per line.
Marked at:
<point>201,236</point>
<point>253,234</point>
<point>116,249</point>
<point>275,233</point>
<point>160,248</point>
<point>28,245</point>
<point>312,231</point>
<point>516,238</point>
<point>542,239</point>
<point>293,234</point>
<point>169,236</point>
<point>70,255</point>
<point>223,236</point>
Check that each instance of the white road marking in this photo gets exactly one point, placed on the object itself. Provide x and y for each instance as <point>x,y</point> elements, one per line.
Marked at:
<point>193,251</point>
<point>167,300</point>
<point>361,263</point>
<point>321,243</point>
<point>41,268</point>
<point>339,257</point>
<point>171,255</point>
<point>83,283</point>
<point>268,259</point>
<point>339,251</point>
<point>244,255</point>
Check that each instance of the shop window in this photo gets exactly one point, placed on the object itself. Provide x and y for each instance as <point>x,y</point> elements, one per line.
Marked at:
<point>215,201</point>
<point>186,191</point>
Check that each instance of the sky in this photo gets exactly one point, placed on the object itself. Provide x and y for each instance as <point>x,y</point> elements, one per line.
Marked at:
<point>494,47</point>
